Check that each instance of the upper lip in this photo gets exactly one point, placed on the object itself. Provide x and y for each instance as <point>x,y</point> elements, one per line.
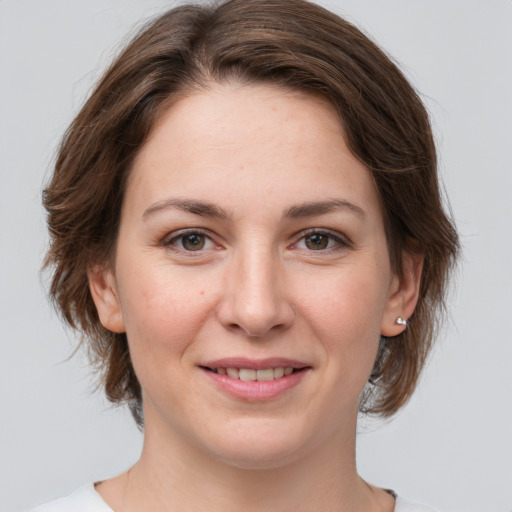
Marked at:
<point>254,364</point>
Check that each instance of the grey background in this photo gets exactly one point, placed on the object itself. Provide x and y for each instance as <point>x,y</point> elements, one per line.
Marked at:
<point>451,446</point>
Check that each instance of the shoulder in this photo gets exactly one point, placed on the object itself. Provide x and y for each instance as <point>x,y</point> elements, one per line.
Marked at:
<point>403,505</point>
<point>85,499</point>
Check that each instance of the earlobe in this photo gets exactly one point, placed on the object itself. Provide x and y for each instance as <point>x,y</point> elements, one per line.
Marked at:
<point>104,293</point>
<point>404,293</point>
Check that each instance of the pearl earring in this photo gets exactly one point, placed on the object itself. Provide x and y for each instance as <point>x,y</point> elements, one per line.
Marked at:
<point>401,321</point>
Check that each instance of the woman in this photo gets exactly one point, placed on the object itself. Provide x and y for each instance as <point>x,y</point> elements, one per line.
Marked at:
<point>247,227</point>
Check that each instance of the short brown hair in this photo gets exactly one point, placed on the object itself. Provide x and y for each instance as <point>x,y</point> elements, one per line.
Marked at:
<point>292,43</point>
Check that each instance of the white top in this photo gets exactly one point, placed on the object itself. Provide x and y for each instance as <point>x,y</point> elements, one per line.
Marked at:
<point>86,499</point>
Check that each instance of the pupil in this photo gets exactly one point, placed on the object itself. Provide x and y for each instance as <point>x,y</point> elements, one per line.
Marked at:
<point>316,242</point>
<point>193,242</point>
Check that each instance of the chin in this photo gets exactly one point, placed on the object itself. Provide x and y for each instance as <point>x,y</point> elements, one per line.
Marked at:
<point>260,446</point>
<point>257,458</point>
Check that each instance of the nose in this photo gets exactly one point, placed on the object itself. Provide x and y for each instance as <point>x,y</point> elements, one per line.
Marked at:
<point>254,297</point>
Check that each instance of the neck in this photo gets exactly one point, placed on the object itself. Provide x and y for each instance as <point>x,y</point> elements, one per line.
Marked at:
<point>171,475</point>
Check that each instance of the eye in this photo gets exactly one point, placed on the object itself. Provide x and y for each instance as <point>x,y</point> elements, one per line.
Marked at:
<point>191,241</point>
<point>320,241</point>
<point>317,241</point>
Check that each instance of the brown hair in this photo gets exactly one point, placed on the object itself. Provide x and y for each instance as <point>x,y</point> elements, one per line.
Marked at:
<point>292,43</point>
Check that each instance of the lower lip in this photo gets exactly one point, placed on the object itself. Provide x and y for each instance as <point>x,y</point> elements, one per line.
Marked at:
<point>256,391</point>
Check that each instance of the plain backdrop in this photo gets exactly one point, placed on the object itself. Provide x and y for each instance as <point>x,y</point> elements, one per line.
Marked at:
<point>451,446</point>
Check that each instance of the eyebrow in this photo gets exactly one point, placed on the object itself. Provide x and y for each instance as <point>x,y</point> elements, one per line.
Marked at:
<point>202,208</point>
<point>206,209</point>
<point>321,207</point>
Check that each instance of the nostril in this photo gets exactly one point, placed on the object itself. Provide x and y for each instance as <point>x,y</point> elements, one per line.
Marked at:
<point>254,309</point>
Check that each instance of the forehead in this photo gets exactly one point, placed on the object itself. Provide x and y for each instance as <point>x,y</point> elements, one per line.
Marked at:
<point>232,114</point>
<point>246,145</point>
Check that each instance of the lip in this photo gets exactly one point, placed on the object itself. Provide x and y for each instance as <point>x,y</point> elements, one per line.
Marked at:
<point>255,364</point>
<point>255,391</point>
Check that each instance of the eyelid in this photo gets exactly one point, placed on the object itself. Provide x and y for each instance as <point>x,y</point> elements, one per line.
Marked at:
<point>342,241</point>
<point>168,240</point>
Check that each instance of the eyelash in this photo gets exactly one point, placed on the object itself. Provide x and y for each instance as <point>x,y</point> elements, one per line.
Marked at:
<point>339,241</point>
<point>169,242</point>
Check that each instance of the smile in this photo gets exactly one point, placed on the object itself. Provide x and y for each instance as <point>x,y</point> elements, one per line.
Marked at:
<point>250,374</point>
<point>251,380</point>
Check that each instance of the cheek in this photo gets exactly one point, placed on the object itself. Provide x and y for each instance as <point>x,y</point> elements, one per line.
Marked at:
<point>163,310</point>
<point>344,310</point>
<point>350,301</point>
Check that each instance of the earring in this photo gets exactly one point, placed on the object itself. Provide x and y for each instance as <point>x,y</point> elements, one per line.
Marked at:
<point>401,321</point>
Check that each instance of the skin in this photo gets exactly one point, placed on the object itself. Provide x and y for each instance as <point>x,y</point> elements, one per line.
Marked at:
<point>259,287</point>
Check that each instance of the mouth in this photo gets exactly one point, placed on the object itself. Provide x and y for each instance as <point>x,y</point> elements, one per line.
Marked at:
<point>256,380</point>
<point>253,374</point>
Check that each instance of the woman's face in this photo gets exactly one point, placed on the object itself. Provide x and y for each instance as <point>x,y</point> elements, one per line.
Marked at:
<point>251,245</point>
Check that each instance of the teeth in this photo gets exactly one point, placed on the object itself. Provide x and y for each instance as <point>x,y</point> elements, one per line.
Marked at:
<point>233,372</point>
<point>278,373</point>
<point>247,374</point>
<point>265,374</point>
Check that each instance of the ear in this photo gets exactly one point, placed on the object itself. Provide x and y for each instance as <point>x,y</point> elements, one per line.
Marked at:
<point>103,288</point>
<point>403,295</point>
